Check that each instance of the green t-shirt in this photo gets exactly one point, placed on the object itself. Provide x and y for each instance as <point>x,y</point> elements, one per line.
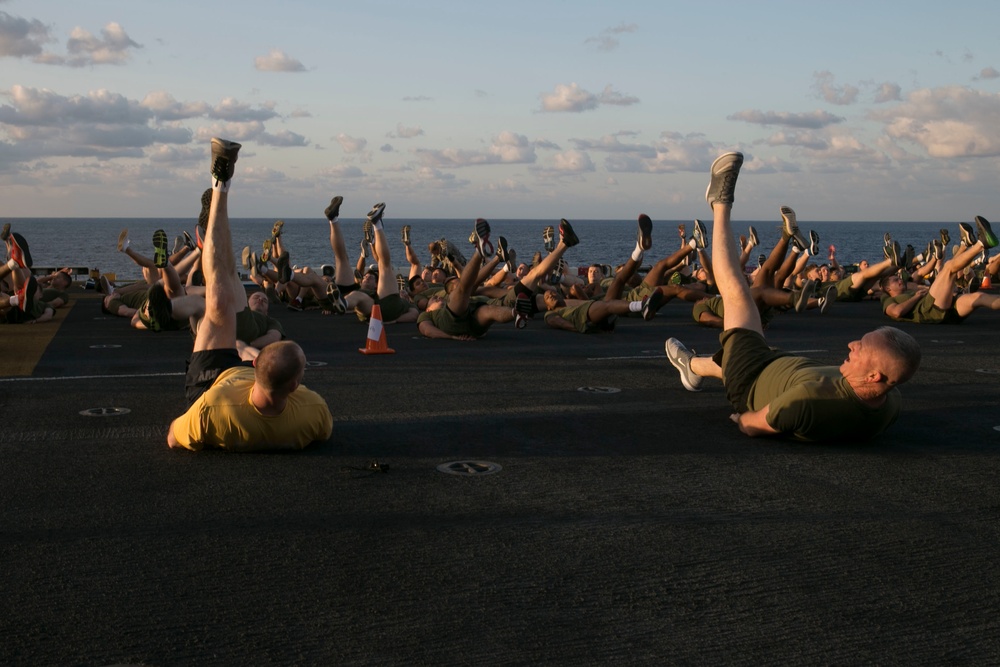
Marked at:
<point>814,402</point>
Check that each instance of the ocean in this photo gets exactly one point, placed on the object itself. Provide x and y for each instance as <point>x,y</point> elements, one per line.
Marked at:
<point>92,242</point>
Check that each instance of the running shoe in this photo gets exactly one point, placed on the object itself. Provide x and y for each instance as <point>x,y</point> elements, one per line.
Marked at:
<point>945,237</point>
<point>522,310</point>
<point>908,254</point>
<point>700,235</point>
<point>566,234</point>
<point>511,260</point>
<point>206,206</point>
<point>26,295</point>
<point>245,258</point>
<point>549,238</point>
<point>265,255</point>
<point>680,357</point>
<point>967,233</point>
<point>753,238</point>
<point>645,238</point>
<point>375,215</point>
<point>789,227</point>
<point>986,234</point>
<point>284,267</point>
<point>160,255</point>
<point>188,241</point>
<point>813,243</point>
<point>276,230</point>
<point>339,304</point>
<point>828,297</point>
<point>18,250</point>
<point>801,297</point>
<point>123,241</point>
<point>892,253</point>
<point>502,249</point>
<point>722,185</point>
<point>482,238</point>
<point>5,232</point>
<point>651,304</point>
<point>369,231</point>
<point>224,155</point>
<point>406,234</point>
<point>332,211</point>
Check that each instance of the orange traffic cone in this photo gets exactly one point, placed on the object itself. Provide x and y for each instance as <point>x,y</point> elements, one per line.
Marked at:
<point>986,283</point>
<point>376,343</point>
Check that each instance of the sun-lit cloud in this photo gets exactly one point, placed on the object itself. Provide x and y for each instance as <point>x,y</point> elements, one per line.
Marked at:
<point>611,144</point>
<point>887,92</point>
<point>803,139</point>
<point>573,98</point>
<point>840,95</point>
<point>608,40</point>
<point>987,74</point>
<point>351,144</point>
<point>572,162</point>
<point>232,109</point>
<point>403,132</point>
<point>812,120</point>
<point>507,148</point>
<point>277,61</point>
<point>166,108</point>
<point>947,122</point>
<point>672,152</point>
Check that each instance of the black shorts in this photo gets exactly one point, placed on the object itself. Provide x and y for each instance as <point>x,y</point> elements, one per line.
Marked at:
<point>205,367</point>
<point>743,357</point>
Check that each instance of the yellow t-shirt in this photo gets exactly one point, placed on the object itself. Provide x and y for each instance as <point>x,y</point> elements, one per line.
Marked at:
<point>224,417</point>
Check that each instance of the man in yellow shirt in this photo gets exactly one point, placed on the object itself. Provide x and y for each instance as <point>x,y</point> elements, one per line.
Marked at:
<point>232,406</point>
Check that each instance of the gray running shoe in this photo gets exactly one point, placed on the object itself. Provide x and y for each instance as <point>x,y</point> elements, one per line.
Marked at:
<point>369,230</point>
<point>753,238</point>
<point>700,234</point>
<point>549,238</point>
<point>245,258</point>
<point>893,254</point>
<point>680,357</point>
<point>968,234</point>
<point>224,154</point>
<point>722,186</point>
<point>332,211</point>
<point>375,215</point>
<point>945,237</point>
<point>482,238</point>
<point>788,225</point>
<point>801,298</point>
<point>405,234</point>
<point>123,241</point>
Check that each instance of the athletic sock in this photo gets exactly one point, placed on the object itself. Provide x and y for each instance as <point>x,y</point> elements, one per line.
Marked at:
<point>219,185</point>
<point>13,300</point>
<point>692,244</point>
<point>11,264</point>
<point>635,306</point>
<point>637,253</point>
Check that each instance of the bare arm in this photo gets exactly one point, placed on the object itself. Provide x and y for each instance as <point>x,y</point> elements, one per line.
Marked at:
<point>897,310</point>
<point>755,423</point>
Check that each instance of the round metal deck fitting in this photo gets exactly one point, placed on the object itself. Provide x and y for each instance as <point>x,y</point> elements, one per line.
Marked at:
<point>104,412</point>
<point>470,468</point>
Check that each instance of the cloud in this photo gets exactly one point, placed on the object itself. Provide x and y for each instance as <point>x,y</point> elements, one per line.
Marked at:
<point>545,144</point>
<point>300,113</point>
<point>341,172</point>
<point>165,108</point>
<point>887,92</point>
<point>575,99</point>
<point>812,120</point>
<point>351,144</point>
<point>386,148</point>
<point>406,132</point>
<point>611,144</point>
<point>42,107</point>
<point>277,61</point>
<point>282,138</point>
<point>20,37</point>
<point>672,152</point>
<point>986,74</point>
<point>947,122</point>
<point>507,148</point>
<point>176,154</point>
<point>798,139</point>
<point>572,162</point>
<point>236,131</point>
<point>232,110</point>
<point>607,39</point>
<point>841,95</point>
<point>418,98</point>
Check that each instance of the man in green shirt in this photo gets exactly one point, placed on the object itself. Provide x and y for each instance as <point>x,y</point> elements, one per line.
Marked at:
<point>773,392</point>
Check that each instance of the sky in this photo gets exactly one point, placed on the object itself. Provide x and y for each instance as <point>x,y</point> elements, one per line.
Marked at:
<point>540,109</point>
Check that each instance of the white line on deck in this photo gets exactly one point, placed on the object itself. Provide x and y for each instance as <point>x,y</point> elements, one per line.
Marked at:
<point>91,377</point>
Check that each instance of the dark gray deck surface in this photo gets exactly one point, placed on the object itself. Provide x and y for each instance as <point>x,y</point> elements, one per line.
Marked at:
<point>636,527</point>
